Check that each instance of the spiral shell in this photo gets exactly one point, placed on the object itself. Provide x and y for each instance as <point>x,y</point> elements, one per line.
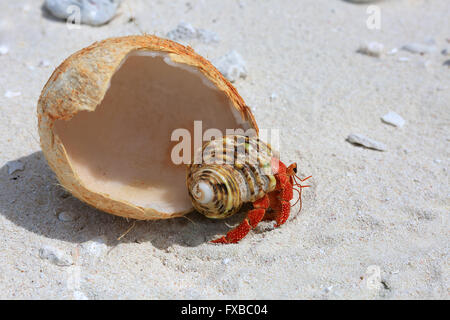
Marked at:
<point>232,171</point>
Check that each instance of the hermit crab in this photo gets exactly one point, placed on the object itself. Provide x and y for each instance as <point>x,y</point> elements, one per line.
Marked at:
<point>106,120</point>
<point>237,169</point>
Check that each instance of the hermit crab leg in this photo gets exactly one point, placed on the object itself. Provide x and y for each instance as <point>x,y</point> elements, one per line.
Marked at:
<point>254,216</point>
<point>282,195</point>
<point>280,198</point>
<point>299,188</point>
<point>282,205</point>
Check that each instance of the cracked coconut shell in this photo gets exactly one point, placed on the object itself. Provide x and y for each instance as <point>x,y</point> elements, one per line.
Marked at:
<point>107,113</point>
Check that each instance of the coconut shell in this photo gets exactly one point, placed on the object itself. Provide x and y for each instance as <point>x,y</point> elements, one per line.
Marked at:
<point>80,84</point>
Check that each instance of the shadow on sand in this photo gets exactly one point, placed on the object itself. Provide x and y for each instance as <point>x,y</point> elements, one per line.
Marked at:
<point>32,199</point>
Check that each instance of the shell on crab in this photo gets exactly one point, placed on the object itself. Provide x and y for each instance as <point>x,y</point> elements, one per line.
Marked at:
<point>235,170</point>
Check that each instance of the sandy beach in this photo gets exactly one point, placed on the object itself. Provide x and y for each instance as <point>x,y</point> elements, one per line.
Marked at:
<point>373,225</point>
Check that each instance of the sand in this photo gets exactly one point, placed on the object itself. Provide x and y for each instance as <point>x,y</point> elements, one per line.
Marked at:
<point>374,225</point>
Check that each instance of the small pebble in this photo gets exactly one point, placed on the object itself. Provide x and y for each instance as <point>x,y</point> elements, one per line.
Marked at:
<point>446,52</point>
<point>55,256</point>
<point>364,141</point>
<point>12,94</point>
<point>14,166</point>
<point>232,66</point>
<point>394,119</point>
<point>226,261</point>
<point>373,49</point>
<point>420,48</point>
<point>185,31</point>
<point>273,97</point>
<point>447,63</point>
<point>403,59</point>
<point>3,49</point>
<point>67,216</point>
<point>93,12</point>
<point>95,247</point>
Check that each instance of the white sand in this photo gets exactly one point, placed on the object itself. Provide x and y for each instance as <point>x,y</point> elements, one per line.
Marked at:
<point>367,211</point>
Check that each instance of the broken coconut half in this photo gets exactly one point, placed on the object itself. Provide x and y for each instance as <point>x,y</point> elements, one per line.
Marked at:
<point>107,113</point>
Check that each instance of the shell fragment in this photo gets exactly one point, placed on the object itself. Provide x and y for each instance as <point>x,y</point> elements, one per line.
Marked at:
<point>364,141</point>
<point>394,119</point>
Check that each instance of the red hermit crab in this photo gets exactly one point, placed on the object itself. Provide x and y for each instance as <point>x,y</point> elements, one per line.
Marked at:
<point>238,169</point>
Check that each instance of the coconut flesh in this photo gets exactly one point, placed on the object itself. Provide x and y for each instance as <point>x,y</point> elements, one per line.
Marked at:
<point>122,149</point>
